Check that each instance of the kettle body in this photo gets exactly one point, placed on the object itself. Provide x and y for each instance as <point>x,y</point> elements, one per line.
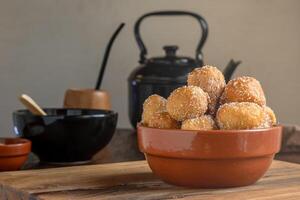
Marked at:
<point>155,78</point>
<point>160,75</point>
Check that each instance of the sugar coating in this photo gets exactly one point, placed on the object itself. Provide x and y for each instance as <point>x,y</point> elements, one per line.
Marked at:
<point>242,115</point>
<point>271,114</point>
<point>243,89</point>
<point>155,103</point>
<point>163,120</point>
<point>152,105</point>
<point>211,80</point>
<point>204,122</point>
<point>187,102</point>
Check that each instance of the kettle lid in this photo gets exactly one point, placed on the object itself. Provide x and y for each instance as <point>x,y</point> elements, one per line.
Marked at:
<point>171,59</point>
<point>166,69</point>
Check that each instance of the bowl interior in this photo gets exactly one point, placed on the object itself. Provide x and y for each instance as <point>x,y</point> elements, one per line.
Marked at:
<point>12,141</point>
<point>14,147</point>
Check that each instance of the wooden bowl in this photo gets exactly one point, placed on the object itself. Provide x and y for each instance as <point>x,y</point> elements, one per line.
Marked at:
<point>87,99</point>
<point>13,153</point>
<point>209,159</point>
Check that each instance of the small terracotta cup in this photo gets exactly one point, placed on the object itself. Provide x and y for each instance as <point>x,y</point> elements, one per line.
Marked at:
<point>209,159</point>
<point>87,99</point>
<point>13,153</point>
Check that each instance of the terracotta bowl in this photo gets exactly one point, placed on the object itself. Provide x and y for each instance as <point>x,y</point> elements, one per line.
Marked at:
<point>13,153</point>
<point>209,159</point>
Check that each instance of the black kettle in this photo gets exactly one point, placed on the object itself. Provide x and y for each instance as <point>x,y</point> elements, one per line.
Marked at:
<point>161,75</point>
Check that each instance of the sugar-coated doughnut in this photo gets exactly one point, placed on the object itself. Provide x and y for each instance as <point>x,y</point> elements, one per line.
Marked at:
<point>244,89</point>
<point>187,102</point>
<point>152,105</point>
<point>271,115</point>
<point>242,115</point>
<point>204,122</point>
<point>211,80</point>
<point>163,120</point>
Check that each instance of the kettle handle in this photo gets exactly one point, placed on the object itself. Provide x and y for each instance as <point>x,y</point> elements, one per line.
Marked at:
<point>142,47</point>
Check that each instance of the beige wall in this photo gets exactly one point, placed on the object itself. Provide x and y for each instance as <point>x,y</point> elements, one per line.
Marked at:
<point>50,45</point>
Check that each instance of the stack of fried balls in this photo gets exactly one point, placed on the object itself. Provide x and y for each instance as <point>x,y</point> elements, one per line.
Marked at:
<point>207,103</point>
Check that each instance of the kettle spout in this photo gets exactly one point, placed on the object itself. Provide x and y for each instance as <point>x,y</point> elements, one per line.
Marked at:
<point>230,68</point>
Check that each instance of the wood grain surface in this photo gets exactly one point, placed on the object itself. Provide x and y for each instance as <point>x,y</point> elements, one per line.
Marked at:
<point>134,180</point>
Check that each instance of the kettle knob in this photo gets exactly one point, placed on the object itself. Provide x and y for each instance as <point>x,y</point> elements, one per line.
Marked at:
<point>170,50</point>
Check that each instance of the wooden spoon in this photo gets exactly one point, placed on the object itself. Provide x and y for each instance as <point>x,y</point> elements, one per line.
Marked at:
<point>31,105</point>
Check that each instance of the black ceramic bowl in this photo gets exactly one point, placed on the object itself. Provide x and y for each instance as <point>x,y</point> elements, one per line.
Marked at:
<point>66,135</point>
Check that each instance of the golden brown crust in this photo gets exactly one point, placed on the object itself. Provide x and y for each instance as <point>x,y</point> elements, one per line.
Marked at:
<point>242,115</point>
<point>204,122</point>
<point>187,102</point>
<point>211,80</point>
<point>152,105</point>
<point>163,120</point>
<point>271,115</point>
<point>244,89</point>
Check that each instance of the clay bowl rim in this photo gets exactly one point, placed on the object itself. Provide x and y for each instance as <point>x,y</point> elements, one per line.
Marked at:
<point>147,142</point>
<point>21,146</point>
<point>223,131</point>
<point>105,114</point>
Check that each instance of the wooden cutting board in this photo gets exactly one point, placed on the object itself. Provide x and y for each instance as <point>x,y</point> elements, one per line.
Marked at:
<point>134,180</point>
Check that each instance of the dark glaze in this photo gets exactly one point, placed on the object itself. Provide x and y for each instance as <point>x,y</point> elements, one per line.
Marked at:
<point>66,135</point>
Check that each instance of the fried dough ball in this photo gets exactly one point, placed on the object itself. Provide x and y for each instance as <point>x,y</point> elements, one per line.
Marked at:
<point>152,105</point>
<point>242,115</point>
<point>187,102</point>
<point>271,115</point>
<point>163,120</point>
<point>244,89</point>
<point>211,80</point>
<point>204,122</point>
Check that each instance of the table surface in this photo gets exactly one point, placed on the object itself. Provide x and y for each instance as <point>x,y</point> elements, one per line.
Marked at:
<point>134,180</point>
